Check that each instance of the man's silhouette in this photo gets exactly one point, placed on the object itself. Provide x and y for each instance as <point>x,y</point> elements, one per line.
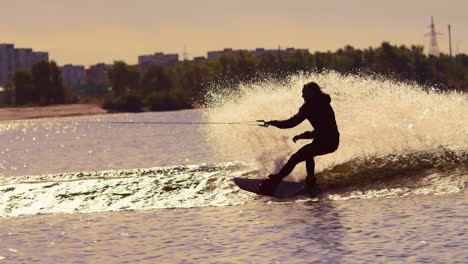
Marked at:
<point>318,111</point>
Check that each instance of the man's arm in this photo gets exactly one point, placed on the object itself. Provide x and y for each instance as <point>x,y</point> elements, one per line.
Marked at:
<point>288,123</point>
<point>305,135</point>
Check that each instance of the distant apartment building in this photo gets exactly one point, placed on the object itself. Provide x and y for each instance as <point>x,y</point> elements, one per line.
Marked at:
<point>290,51</point>
<point>218,53</point>
<point>73,75</point>
<point>258,52</point>
<point>97,75</point>
<point>159,58</point>
<point>7,62</point>
<point>12,59</point>
<point>40,56</point>
<point>23,58</point>
<point>199,59</point>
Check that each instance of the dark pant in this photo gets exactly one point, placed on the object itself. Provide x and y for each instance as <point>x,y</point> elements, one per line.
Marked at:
<point>307,153</point>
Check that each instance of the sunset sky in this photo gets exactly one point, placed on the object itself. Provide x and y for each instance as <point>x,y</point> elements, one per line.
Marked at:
<point>91,31</point>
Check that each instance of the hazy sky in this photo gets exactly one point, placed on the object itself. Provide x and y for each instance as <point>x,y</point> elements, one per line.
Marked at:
<point>92,31</point>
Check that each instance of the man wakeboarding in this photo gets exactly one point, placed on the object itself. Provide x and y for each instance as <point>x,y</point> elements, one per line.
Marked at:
<point>318,111</point>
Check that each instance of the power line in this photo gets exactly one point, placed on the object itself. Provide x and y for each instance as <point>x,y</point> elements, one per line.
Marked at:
<point>450,39</point>
<point>433,44</point>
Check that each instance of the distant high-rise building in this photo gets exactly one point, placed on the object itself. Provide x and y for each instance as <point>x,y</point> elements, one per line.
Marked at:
<point>258,52</point>
<point>218,53</point>
<point>7,62</point>
<point>199,59</point>
<point>23,58</point>
<point>290,51</point>
<point>159,58</point>
<point>40,56</point>
<point>73,75</point>
<point>12,59</point>
<point>97,74</point>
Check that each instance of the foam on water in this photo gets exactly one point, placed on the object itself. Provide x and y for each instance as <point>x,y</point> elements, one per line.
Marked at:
<point>189,186</point>
<point>116,190</point>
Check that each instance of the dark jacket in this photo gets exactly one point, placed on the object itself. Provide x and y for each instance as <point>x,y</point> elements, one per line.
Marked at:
<point>320,115</point>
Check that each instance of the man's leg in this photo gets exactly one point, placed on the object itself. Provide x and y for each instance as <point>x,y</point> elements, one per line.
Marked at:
<point>268,186</point>
<point>315,149</point>
<point>295,159</point>
<point>310,167</point>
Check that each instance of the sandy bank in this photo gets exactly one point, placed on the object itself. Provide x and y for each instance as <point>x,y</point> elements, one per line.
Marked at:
<point>19,113</point>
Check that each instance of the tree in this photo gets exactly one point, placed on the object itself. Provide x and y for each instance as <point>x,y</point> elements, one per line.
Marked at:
<point>57,88</point>
<point>123,78</point>
<point>23,84</point>
<point>186,84</point>
<point>41,82</point>
<point>156,79</point>
<point>42,85</point>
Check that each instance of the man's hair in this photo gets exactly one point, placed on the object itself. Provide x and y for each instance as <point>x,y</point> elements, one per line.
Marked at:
<point>313,87</point>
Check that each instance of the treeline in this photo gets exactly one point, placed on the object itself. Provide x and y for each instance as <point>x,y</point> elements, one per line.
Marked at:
<point>41,85</point>
<point>401,63</point>
<point>156,87</point>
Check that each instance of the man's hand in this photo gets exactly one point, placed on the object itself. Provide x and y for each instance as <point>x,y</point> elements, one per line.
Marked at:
<point>271,123</point>
<point>296,138</point>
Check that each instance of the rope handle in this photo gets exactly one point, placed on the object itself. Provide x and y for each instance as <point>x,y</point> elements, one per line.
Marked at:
<point>264,123</point>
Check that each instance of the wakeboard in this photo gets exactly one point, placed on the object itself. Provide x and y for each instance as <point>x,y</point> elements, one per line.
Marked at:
<point>285,189</point>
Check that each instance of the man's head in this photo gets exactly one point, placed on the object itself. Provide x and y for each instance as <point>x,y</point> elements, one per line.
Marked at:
<point>310,91</point>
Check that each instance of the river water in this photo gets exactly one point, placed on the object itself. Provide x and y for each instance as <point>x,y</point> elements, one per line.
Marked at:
<point>72,191</point>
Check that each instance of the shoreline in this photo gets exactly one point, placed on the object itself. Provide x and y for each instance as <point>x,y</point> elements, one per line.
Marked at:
<point>35,112</point>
